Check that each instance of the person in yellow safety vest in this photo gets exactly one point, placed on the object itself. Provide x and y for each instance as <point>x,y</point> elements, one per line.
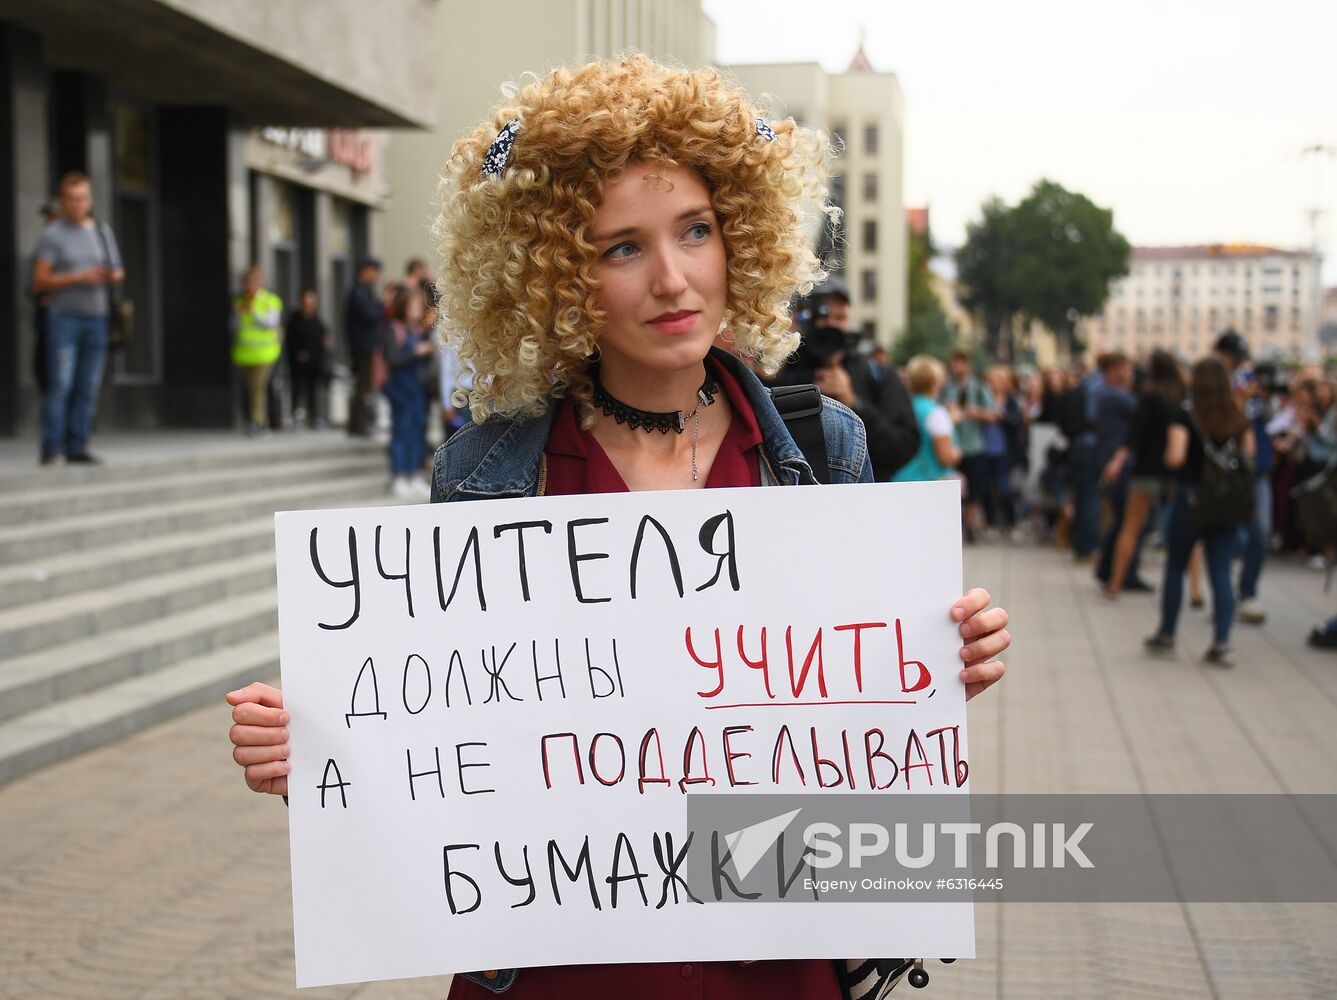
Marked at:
<point>257,341</point>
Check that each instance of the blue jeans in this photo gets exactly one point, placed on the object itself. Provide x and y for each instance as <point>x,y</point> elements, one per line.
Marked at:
<point>1255,537</point>
<point>76,353</point>
<point>998,506</point>
<point>1218,545</point>
<point>408,426</point>
<point>1085,496</point>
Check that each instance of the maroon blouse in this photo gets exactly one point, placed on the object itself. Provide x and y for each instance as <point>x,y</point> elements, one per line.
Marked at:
<point>577,464</point>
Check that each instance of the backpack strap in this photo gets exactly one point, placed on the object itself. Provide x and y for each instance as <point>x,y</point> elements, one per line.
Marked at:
<point>800,407</point>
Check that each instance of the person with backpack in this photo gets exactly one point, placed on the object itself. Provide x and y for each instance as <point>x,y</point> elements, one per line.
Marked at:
<point>596,233</point>
<point>1209,449</point>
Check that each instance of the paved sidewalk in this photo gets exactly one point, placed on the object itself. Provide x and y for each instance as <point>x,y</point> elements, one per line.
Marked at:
<point>145,869</point>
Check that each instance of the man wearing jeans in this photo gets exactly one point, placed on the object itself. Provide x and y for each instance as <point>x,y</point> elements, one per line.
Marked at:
<point>76,263</point>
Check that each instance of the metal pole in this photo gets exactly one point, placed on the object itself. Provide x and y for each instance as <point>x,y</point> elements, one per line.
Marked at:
<point>1316,212</point>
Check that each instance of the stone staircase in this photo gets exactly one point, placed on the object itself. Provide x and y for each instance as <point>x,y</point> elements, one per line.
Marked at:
<point>133,591</point>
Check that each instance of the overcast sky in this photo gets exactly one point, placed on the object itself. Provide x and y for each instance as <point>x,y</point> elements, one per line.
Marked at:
<point>1187,117</point>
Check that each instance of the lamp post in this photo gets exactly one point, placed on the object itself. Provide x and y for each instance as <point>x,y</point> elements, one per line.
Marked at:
<point>1318,151</point>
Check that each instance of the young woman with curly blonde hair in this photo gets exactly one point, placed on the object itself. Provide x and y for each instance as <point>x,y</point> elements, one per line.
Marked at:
<point>596,234</point>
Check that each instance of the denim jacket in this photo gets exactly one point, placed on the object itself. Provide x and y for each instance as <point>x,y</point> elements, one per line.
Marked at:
<point>504,458</point>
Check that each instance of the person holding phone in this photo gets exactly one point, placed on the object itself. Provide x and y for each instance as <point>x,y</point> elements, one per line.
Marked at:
<point>76,263</point>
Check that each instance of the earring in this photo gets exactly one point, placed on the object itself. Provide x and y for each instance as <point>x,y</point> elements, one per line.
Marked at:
<point>595,358</point>
<point>726,335</point>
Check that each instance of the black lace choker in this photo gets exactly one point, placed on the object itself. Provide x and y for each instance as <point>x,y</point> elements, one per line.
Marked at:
<point>648,420</point>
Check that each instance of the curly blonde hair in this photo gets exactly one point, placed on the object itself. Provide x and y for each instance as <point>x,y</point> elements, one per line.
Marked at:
<point>519,302</point>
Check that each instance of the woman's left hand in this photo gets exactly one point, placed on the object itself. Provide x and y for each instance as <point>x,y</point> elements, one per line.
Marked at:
<point>984,636</point>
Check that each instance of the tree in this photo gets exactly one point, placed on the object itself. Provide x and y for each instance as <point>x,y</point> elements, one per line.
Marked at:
<point>927,329</point>
<point>1052,258</point>
<point>984,268</point>
<point>1067,252</point>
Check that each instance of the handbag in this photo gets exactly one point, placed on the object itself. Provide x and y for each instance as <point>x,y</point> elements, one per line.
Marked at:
<point>1316,508</point>
<point>121,327</point>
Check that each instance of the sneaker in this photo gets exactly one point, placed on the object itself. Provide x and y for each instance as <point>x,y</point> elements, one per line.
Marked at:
<point>1250,611</point>
<point>1138,587</point>
<point>421,487</point>
<point>401,488</point>
<point>83,458</point>
<point>1218,655</point>
<point>1159,644</point>
<point>1321,638</point>
<point>1317,562</point>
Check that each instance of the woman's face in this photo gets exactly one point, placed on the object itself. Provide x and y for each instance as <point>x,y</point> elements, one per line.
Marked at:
<point>414,309</point>
<point>661,261</point>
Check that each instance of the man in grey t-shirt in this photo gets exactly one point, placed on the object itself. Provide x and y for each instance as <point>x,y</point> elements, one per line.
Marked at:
<point>77,261</point>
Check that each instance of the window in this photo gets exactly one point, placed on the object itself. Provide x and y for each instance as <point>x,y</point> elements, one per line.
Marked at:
<point>870,139</point>
<point>870,285</point>
<point>870,235</point>
<point>869,330</point>
<point>870,187</point>
<point>1271,318</point>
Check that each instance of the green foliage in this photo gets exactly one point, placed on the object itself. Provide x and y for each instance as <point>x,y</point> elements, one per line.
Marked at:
<point>984,267</point>
<point>1052,257</point>
<point>927,330</point>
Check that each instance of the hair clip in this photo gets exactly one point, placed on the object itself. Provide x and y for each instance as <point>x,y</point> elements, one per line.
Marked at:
<point>499,153</point>
<point>764,130</point>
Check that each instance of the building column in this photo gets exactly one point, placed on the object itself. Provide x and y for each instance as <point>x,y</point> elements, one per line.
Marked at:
<point>205,236</point>
<point>24,172</point>
<point>321,213</point>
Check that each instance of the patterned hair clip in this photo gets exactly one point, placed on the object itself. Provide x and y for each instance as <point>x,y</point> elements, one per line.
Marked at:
<point>499,153</point>
<point>764,130</point>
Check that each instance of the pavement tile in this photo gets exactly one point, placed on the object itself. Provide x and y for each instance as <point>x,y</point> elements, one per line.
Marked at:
<point>145,869</point>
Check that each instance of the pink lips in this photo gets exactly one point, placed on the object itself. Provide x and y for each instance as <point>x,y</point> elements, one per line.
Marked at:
<point>675,322</point>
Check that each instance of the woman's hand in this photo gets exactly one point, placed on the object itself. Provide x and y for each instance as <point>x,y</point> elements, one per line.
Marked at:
<point>260,737</point>
<point>985,636</point>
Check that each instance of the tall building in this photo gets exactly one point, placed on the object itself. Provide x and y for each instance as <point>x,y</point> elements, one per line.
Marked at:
<point>1181,298</point>
<point>479,47</point>
<point>215,134</point>
<point>863,111</point>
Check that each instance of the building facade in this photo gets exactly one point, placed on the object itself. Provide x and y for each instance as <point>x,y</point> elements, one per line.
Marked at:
<point>1181,298</point>
<point>215,135</point>
<point>863,112</point>
<point>479,48</point>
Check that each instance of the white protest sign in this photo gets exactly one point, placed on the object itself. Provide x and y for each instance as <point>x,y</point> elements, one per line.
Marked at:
<point>499,710</point>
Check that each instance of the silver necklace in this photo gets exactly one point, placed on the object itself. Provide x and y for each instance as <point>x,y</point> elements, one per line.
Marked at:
<point>695,417</point>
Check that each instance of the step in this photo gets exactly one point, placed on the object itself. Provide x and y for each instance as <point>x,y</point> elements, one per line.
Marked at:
<point>35,680</point>
<point>52,576</point>
<point>23,543</point>
<point>163,453</point>
<point>62,730</point>
<point>35,505</point>
<point>25,629</point>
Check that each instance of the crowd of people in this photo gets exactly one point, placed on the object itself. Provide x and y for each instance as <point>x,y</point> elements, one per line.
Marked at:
<point>392,353</point>
<point>1220,463</point>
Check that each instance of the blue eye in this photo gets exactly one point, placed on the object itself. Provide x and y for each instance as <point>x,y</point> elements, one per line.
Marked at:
<point>699,231</point>
<point>616,253</point>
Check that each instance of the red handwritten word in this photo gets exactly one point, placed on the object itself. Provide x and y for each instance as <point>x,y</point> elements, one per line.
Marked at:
<point>805,659</point>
